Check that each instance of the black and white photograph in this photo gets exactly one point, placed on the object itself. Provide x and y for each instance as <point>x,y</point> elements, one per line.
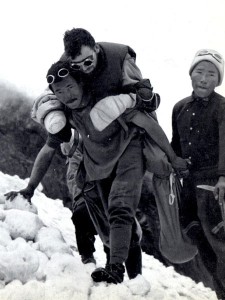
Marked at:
<point>86,87</point>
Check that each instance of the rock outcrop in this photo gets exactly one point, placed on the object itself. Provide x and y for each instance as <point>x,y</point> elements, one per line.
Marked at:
<point>21,138</point>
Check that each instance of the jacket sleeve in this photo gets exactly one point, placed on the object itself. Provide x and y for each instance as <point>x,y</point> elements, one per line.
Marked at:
<point>175,143</point>
<point>221,122</point>
<point>131,72</point>
<point>133,82</point>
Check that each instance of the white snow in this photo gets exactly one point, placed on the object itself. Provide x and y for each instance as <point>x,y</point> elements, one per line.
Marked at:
<point>39,258</point>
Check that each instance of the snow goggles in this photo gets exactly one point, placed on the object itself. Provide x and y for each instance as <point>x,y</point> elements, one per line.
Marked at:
<point>87,62</point>
<point>213,54</point>
<point>61,73</point>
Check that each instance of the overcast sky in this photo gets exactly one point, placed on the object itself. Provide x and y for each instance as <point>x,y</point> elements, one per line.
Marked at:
<point>165,35</point>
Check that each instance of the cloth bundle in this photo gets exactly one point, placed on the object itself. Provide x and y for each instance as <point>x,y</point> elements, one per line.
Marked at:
<point>173,242</point>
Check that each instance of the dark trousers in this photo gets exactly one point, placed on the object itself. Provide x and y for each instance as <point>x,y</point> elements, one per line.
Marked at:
<point>97,213</point>
<point>85,230</point>
<point>120,194</point>
<point>201,214</point>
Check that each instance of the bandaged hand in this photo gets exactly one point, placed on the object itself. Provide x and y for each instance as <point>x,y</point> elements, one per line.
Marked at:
<point>109,109</point>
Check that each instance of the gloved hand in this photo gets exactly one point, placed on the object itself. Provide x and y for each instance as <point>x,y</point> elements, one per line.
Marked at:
<point>144,89</point>
<point>180,167</point>
<point>27,193</point>
<point>146,99</point>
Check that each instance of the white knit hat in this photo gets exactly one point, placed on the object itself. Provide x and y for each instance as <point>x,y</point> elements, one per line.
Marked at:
<point>211,56</point>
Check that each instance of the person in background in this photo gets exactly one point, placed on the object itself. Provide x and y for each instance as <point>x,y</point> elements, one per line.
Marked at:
<point>198,135</point>
<point>84,229</point>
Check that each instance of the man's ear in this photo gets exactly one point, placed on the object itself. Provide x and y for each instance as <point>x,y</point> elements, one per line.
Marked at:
<point>96,48</point>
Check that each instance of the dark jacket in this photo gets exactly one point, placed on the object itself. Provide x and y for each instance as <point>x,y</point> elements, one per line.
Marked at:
<point>106,80</point>
<point>199,133</point>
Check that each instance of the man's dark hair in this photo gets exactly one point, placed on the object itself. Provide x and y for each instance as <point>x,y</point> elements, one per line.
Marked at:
<point>74,39</point>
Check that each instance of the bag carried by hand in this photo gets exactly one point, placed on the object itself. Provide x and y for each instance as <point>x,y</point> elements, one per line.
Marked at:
<point>173,243</point>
